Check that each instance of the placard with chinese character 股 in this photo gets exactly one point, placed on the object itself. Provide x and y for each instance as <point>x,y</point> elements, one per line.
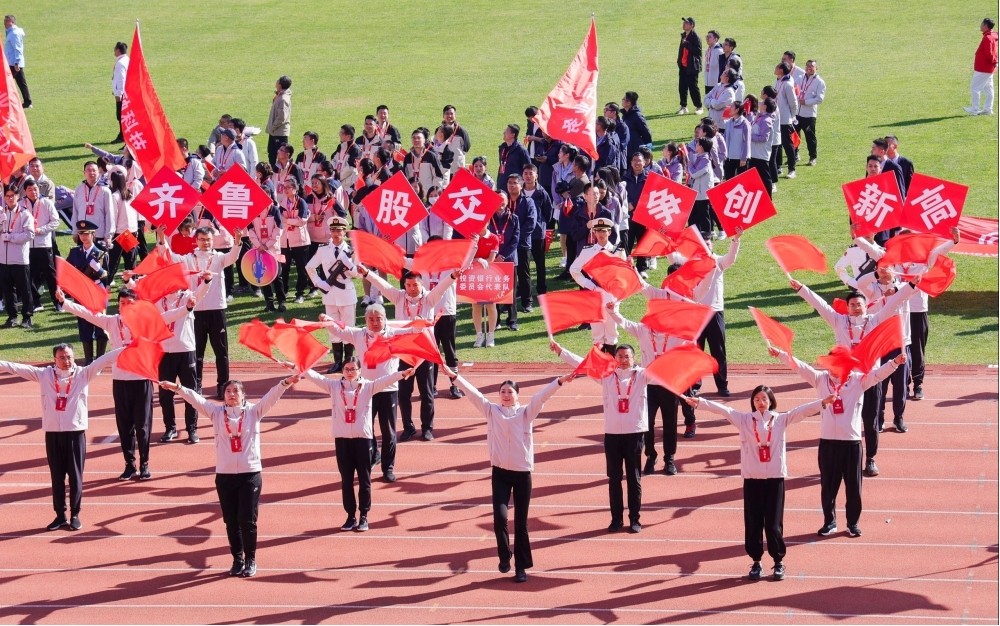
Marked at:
<point>933,205</point>
<point>492,284</point>
<point>741,202</point>
<point>394,207</point>
<point>235,199</point>
<point>664,205</point>
<point>874,203</point>
<point>467,204</point>
<point>165,200</point>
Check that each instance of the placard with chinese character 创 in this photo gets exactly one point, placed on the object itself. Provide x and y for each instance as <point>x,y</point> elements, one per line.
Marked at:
<point>741,202</point>
<point>165,200</point>
<point>394,207</point>
<point>933,205</point>
<point>492,284</point>
<point>664,205</point>
<point>235,199</point>
<point>874,203</point>
<point>467,204</point>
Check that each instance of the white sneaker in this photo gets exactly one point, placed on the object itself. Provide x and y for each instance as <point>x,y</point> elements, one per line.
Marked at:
<point>651,263</point>
<point>480,339</point>
<point>790,175</point>
<point>682,111</point>
<point>562,262</point>
<point>489,341</point>
<point>699,111</point>
<point>971,110</point>
<point>774,188</point>
<point>229,299</point>
<point>811,162</point>
<point>986,113</point>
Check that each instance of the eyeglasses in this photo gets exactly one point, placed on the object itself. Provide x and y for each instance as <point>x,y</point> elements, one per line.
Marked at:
<point>348,370</point>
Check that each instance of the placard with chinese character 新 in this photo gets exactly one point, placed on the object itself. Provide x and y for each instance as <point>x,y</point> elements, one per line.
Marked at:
<point>235,199</point>
<point>492,284</point>
<point>741,202</point>
<point>874,203</point>
<point>165,200</point>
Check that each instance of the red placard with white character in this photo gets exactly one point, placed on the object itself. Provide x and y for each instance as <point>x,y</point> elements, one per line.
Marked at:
<point>492,284</point>
<point>933,205</point>
<point>166,200</point>
<point>741,202</point>
<point>664,205</point>
<point>874,203</point>
<point>394,207</point>
<point>235,199</point>
<point>467,204</point>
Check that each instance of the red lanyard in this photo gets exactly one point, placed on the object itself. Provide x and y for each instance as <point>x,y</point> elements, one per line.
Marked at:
<point>497,230</point>
<point>417,161</point>
<point>770,430</point>
<point>503,157</point>
<point>121,330</point>
<point>850,330</point>
<point>343,396</point>
<point>239,427</point>
<point>628,390</point>
<point>92,202</point>
<point>69,383</point>
<point>319,208</point>
<point>652,340</point>
<point>13,218</point>
<point>406,307</point>
<point>163,303</point>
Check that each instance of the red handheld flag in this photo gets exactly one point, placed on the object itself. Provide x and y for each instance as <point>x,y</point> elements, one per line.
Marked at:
<point>235,199</point>
<point>182,244</point>
<point>795,252</point>
<point>142,358</point>
<point>378,352</point>
<point>653,244</point>
<point>153,261</point>
<point>741,202</point>
<point>166,200</point>
<point>16,145</point>
<point>440,256</point>
<point>467,204</point>
<point>127,241</point>
<point>883,338</point>
<point>144,321</point>
<point>664,206</point>
<point>874,204</point>
<point>689,276</point>
<point>614,275</point>
<point>938,278</point>
<point>253,335</point>
<point>376,252</point>
<point>909,248</point>
<point>774,332</point>
<point>569,112</point>
<point>394,207</point>
<point>933,205</point>
<point>297,344</point>
<point>684,320</point>
<point>162,282</point>
<point>839,362</point>
<point>566,309</point>
<point>88,294</point>
<point>679,368</point>
<point>413,348</point>
<point>597,364</point>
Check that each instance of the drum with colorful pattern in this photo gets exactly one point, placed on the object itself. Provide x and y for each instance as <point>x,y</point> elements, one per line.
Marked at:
<point>260,267</point>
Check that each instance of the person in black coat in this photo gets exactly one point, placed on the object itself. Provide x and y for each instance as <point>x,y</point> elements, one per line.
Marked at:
<point>92,260</point>
<point>688,67</point>
<point>513,156</point>
<point>638,127</point>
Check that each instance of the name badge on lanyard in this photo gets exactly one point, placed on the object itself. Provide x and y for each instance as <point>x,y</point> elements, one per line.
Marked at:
<point>236,443</point>
<point>838,406</point>
<point>765,453</point>
<point>61,403</point>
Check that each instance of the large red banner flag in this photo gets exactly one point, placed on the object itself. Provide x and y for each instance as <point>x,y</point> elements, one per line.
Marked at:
<point>679,368</point>
<point>144,124</point>
<point>874,204</point>
<point>16,146</point>
<point>569,112</point>
<point>664,205</point>
<point>980,236</point>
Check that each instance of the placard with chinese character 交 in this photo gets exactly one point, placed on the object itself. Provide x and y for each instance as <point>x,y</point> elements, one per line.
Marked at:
<point>467,204</point>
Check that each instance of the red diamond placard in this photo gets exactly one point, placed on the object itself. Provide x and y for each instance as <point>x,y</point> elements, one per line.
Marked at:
<point>741,202</point>
<point>874,203</point>
<point>394,207</point>
<point>165,200</point>
<point>664,205</point>
<point>933,205</point>
<point>235,199</point>
<point>467,204</point>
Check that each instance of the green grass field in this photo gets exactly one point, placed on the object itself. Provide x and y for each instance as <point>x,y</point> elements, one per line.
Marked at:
<point>889,68</point>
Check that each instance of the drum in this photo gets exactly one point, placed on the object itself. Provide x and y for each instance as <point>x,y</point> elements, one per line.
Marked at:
<point>260,267</point>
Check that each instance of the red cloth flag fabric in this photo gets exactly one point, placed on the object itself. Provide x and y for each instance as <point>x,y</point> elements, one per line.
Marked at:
<point>686,279</point>
<point>394,207</point>
<point>142,358</point>
<point>909,248</point>
<point>144,124</point>
<point>298,344</point>
<point>684,320</point>
<point>569,112</point>
<point>597,364</point>
<point>127,241</point>
<point>741,202</point>
<point>874,204</point>
<point>144,320</point>
<point>467,204</point>
<point>774,332</point>
<point>796,140</point>
<point>937,279</point>
<point>795,252</point>
<point>614,275</point>
<point>16,145</point>
<point>376,252</point>
<point>86,292</point>
<point>165,281</point>
<point>153,261</point>
<point>679,368</point>
<point>440,256</point>
<point>980,236</point>
<point>688,244</point>
<point>253,335</point>
<point>933,205</point>
<point>885,337</point>
<point>664,206</point>
<point>653,244</point>
<point>165,200</point>
<point>839,362</point>
<point>314,326</point>
<point>182,244</point>
<point>566,309</point>
<point>409,348</point>
<point>235,199</point>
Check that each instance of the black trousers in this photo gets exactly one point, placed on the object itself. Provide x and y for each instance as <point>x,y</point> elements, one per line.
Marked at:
<point>663,400</point>
<point>715,335</point>
<point>808,127</point>
<point>701,217</point>
<point>115,256</point>
<point>635,233</point>
<point>504,483</point>
<point>524,260</point>
<point>687,83</point>
<point>627,449</point>
<point>273,143</point>
<point>424,382</point>
<point>239,497</point>
<point>134,416</point>
<point>88,332</point>
<point>298,255</point>
<point>538,258</point>
<point>763,514</point>
<point>210,327</point>
<point>140,234</point>
<point>22,85</point>
<point>276,290</point>
<point>384,407</point>
<point>774,162</point>
<point>354,458</point>
<point>840,461</point>
<point>732,167</point>
<point>15,279</point>
<point>178,366</point>
<point>786,145</point>
<point>571,249</point>
<point>118,113</point>
<point>899,379</point>
<point>444,334</point>
<point>764,169</point>
<point>919,331</point>
<point>41,271</point>
<point>66,452</point>
<point>869,416</point>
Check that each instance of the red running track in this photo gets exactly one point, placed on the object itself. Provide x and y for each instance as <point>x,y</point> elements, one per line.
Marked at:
<point>155,552</point>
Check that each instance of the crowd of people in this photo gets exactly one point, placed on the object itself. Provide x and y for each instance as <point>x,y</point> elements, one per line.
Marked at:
<point>546,187</point>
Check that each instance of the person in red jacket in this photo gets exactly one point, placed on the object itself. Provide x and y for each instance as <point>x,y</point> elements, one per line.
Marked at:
<point>983,69</point>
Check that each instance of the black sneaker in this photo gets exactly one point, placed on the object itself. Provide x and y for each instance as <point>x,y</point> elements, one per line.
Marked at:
<point>755,571</point>
<point>853,530</point>
<point>504,566</point>
<point>615,526</point>
<point>725,393</point>
<point>670,469</point>
<point>170,435</point>
<point>690,431</point>
<point>900,425</point>
<point>10,323</point>
<point>635,528</point>
<point>128,474</point>
<point>350,524</point>
<point>428,435</point>
<point>456,393</point>
<point>250,568</point>
<point>281,309</point>
<point>779,571</point>
<point>827,530</point>
<point>26,323</point>
<point>144,472</point>
<point>871,470</point>
<point>388,476</point>
<point>75,523</point>
<point>918,393</point>
<point>650,465</point>
<point>193,437</point>
<point>512,326</point>
<point>57,523</point>
<point>362,524</point>
<point>408,433</point>
<point>237,568</point>
<point>520,576</point>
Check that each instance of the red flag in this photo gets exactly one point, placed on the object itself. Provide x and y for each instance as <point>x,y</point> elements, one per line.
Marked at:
<point>394,207</point>
<point>569,113</point>
<point>253,335</point>
<point>774,332</point>
<point>688,244</point>
<point>144,321</point>
<point>153,261</point>
<point>376,252</point>
<point>409,348</point>
<point>684,320</point>
<point>88,294</point>
<point>16,145</point>
<point>168,280</point>
<point>796,140</point>
<point>597,364</point>
<point>679,368</point>
<point>795,252</point>
<point>144,124</point>
<point>566,309</point>
<point>235,199</point>
<point>979,236</point>
<point>166,200</point>
<point>142,358</point>
<point>182,244</point>
<point>741,202</point>
<point>467,204</point>
<point>686,279</point>
<point>874,204</point>
<point>314,326</point>
<point>839,362</point>
<point>933,205</point>
<point>909,248</point>
<point>885,337</point>
<point>297,344</point>
<point>664,206</point>
<point>127,241</point>
<point>614,275</point>
<point>440,256</point>
<point>937,279</point>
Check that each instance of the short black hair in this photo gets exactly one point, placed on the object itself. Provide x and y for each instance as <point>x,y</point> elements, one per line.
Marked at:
<point>784,68</point>
<point>632,97</point>
<point>713,33</point>
<point>730,41</point>
<point>881,143</point>
<point>531,111</point>
<point>122,47</point>
<point>854,293</point>
<point>789,54</point>
<point>285,82</point>
<point>59,347</point>
<point>238,123</point>
<point>624,346</point>
<point>989,22</point>
<point>348,129</point>
<point>312,135</point>
<point>514,128</point>
<point>772,405</point>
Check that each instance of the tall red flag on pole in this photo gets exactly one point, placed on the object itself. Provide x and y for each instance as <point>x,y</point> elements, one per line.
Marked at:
<point>144,124</point>
<point>16,146</point>
<point>569,113</point>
